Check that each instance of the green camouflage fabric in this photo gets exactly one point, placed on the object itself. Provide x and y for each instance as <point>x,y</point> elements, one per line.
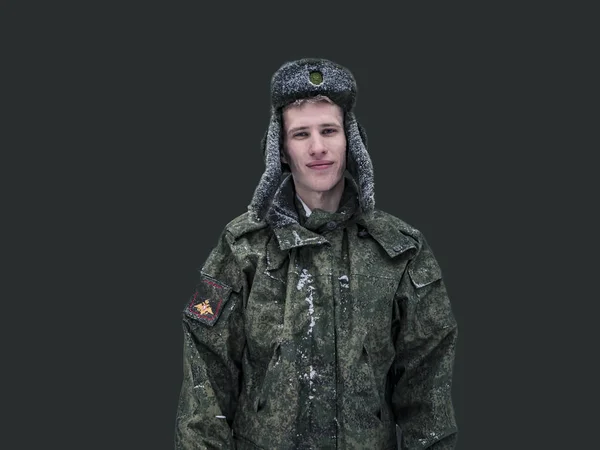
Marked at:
<point>324,333</point>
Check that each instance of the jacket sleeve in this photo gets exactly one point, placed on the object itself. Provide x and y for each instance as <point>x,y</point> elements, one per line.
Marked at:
<point>212,352</point>
<point>425,350</point>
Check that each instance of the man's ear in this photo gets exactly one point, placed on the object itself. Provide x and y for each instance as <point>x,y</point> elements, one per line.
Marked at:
<point>283,158</point>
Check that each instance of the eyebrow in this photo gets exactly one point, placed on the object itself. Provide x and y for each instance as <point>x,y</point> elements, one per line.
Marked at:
<point>323,125</point>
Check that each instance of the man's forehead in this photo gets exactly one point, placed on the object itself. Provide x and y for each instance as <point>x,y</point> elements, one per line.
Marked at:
<point>310,114</point>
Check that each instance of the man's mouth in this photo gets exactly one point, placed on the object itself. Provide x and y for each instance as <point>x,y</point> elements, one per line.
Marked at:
<point>320,165</point>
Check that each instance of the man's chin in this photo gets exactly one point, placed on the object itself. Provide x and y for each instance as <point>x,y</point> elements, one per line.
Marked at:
<point>323,188</point>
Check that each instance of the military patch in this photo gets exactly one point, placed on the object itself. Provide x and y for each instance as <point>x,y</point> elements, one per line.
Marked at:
<point>315,77</point>
<point>204,308</point>
<point>207,302</point>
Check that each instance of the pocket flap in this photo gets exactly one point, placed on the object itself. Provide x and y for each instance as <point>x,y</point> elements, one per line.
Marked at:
<point>426,272</point>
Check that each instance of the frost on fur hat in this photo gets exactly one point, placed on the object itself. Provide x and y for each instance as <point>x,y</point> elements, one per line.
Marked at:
<point>304,78</point>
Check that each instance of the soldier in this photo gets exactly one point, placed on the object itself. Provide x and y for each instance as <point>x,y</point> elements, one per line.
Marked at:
<point>319,321</point>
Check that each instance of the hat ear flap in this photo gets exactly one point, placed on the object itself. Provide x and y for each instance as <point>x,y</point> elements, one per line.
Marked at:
<point>359,162</point>
<point>270,179</point>
<point>363,134</point>
<point>263,144</point>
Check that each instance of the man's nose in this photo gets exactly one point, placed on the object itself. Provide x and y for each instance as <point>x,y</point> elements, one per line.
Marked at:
<point>317,144</point>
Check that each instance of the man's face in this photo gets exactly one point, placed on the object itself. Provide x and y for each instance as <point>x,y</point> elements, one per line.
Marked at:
<point>314,146</point>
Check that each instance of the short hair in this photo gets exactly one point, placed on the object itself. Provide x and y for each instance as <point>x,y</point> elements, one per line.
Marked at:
<point>315,99</point>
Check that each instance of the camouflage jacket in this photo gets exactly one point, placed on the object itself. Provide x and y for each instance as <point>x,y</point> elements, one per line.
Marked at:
<point>324,333</point>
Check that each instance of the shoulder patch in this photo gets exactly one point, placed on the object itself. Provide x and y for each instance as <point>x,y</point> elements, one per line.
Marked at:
<point>207,302</point>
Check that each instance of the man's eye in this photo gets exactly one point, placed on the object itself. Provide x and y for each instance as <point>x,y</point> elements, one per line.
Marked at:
<point>301,134</point>
<point>329,130</point>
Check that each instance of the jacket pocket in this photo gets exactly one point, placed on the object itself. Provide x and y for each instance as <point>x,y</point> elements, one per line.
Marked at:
<point>268,380</point>
<point>372,314</point>
<point>243,443</point>
<point>264,315</point>
<point>374,391</point>
<point>432,309</point>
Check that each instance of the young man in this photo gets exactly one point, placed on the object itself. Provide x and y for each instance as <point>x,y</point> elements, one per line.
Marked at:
<point>319,321</point>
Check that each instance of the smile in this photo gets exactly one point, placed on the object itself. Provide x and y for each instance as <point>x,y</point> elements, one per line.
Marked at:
<point>321,166</point>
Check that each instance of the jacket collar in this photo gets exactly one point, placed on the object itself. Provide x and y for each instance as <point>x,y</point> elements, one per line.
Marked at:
<point>293,229</point>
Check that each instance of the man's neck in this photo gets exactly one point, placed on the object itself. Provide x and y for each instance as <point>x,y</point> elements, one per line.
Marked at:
<point>326,201</point>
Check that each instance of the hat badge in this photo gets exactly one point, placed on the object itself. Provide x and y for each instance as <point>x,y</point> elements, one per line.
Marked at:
<point>315,77</point>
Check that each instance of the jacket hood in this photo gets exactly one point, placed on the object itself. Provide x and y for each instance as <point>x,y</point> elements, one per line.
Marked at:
<point>304,78</point>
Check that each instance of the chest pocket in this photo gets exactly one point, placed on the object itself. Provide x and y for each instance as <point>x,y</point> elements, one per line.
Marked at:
<point>265,308</point>
<point>374,280</point>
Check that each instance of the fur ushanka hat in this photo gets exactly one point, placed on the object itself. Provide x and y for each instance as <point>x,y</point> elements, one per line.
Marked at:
<point>304,78</point>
